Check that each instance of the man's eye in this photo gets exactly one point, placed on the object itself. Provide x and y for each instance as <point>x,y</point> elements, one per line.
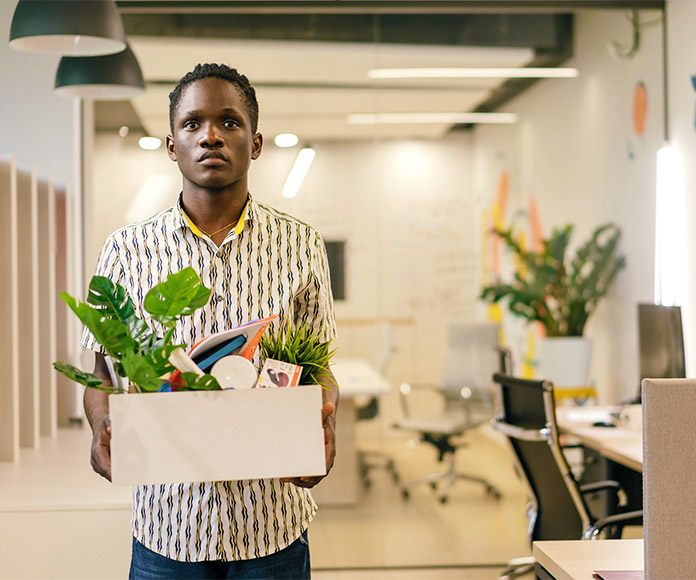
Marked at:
<point>231,123</point>
<point>190,124</point>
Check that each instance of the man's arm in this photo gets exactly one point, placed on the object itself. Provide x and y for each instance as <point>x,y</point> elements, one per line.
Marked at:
<point>329,395</point>
<point>96,404</point>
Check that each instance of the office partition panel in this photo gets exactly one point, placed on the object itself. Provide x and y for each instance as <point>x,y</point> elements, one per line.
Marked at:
<point>9,386</point>
<point>46,284</point>
<point>27,247</point>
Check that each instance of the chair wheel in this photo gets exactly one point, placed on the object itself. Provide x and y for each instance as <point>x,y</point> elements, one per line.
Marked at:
<point>433,486</point>
<point>405,494</point>
<point>493,492</point>
<point>443,499</point>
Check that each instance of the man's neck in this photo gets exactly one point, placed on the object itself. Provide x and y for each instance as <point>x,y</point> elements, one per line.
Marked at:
<point>212,210</point>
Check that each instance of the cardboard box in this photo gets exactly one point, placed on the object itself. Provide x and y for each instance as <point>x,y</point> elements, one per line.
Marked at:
<point>216,435</point>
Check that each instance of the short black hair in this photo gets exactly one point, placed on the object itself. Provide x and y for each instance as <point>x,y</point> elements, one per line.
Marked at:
<point>218,71</point>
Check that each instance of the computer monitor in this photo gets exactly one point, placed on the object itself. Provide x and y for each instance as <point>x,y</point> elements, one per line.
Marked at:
<point>661,342</point>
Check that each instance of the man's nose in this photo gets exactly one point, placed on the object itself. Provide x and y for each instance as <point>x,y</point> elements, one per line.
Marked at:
<point>210,136</point>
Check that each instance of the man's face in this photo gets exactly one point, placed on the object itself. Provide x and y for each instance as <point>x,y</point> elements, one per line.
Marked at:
<point>212,140</point>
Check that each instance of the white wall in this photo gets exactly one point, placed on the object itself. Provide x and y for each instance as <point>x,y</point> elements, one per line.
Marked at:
<point>681,16</point>
<point>570,150</point>
<point>37,125</point>
<point>405,209</point>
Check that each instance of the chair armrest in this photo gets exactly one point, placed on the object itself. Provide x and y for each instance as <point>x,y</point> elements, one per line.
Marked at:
<point>626,519</point>
<point>600,485</point>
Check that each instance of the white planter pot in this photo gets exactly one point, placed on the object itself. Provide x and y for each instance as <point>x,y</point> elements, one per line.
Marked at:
<point>565,360</point>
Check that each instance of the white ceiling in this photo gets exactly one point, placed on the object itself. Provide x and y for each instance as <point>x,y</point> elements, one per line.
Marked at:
<point>309,88</point>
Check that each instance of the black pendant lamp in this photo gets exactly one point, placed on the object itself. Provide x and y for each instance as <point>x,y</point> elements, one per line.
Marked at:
<point>67,27</point>
<point>103,78</point>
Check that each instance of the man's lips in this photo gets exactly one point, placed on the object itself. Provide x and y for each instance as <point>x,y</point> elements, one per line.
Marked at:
<point>212,157</point>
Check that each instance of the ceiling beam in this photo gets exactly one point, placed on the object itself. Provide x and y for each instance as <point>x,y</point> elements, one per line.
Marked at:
<point>375,7</point>
<point>536,31</point>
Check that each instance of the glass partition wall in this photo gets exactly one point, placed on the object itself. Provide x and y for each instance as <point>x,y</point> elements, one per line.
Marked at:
<point>406,206</point>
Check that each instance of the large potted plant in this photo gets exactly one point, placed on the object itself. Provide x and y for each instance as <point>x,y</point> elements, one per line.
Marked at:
<point>560,293</point>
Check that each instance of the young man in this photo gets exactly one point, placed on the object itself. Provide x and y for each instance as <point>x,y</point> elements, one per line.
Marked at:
<point>257,261</point>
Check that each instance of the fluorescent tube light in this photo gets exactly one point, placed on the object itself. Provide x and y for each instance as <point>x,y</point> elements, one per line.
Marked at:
<point>421,118</point>
<point>298,172</point>
<point>670,235</point>
<point>473,73</point>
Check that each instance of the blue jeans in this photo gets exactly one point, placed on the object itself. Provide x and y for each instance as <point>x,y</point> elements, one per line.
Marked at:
<point>292,563</point>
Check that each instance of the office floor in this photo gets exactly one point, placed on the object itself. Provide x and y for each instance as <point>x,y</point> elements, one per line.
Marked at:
<point>469,537</point>
<point>383,537</point>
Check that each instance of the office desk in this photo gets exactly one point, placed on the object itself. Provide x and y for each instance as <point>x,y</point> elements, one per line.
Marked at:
<point>578,559</point>
<point>621,445</point>
<point>355,378</point>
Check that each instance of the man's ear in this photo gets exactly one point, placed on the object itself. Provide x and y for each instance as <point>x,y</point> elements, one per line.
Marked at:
<point>256,145</point>
<point>171,150</point>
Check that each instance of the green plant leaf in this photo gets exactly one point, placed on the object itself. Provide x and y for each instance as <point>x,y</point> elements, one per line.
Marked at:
<point>75,374</point>
<point>195,383</point>
<point>561,296</point>
<point>141,372</point>
<point>179,295</point>
<point>299,346</point>
<point>111,299</point>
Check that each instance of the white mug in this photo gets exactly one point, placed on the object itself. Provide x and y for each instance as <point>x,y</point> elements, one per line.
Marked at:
<point>631,417</point>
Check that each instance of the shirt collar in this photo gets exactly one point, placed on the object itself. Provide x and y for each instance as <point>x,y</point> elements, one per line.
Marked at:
<point>181,220</point>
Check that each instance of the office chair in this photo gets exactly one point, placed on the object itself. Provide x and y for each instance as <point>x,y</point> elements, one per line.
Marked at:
<point>471,359</point>
<point>369,460</point>
<point>557,509</point>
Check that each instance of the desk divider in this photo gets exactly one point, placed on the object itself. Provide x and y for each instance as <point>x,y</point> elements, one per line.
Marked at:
<point>669,478</point>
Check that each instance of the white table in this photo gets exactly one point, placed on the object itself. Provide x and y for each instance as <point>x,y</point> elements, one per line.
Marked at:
<point>355,378</point>
<point>578,559</point>
<point>621,445</point>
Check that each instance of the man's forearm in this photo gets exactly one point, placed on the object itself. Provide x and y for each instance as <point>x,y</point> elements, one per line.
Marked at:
<point>96,402</point>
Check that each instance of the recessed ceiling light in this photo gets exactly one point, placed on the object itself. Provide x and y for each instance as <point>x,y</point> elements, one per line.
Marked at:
<point>123,131</point>
<point>149,143</point>
<point>426,118</point>
<point>472,73</point>
<point>286,140</point>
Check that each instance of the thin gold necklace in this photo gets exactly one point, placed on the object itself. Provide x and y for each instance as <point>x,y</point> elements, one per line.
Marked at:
<point>217,231</point>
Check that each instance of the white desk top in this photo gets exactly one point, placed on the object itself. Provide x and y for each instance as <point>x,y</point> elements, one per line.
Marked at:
<point>616,443</point>
<point>355,378</point>
<point>578,559</point>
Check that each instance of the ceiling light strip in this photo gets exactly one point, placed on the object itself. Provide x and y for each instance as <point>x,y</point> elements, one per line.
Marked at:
<point>298,172</point>
<point>472,73</point>
<point>428,118</point>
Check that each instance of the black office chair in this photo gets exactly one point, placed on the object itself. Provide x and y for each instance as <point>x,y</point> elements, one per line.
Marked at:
<point>557,509</point>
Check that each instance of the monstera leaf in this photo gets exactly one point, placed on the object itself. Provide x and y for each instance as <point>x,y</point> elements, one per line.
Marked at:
<point>136,349</point>
<point>111,298</point>
<point>179,295</point>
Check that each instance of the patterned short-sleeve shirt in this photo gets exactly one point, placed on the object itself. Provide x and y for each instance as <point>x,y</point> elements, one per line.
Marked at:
<point>270,263</point>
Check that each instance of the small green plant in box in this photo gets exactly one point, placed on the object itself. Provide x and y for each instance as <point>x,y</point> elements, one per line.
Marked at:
<point>298,345</point>
<point>138,351</point>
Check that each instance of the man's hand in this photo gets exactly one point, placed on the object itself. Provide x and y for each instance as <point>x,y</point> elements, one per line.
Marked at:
<point>101,448</point>
<point>328,418</point>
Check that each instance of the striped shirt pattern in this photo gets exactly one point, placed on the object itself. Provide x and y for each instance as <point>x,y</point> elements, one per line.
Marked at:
<point>271,263</point>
